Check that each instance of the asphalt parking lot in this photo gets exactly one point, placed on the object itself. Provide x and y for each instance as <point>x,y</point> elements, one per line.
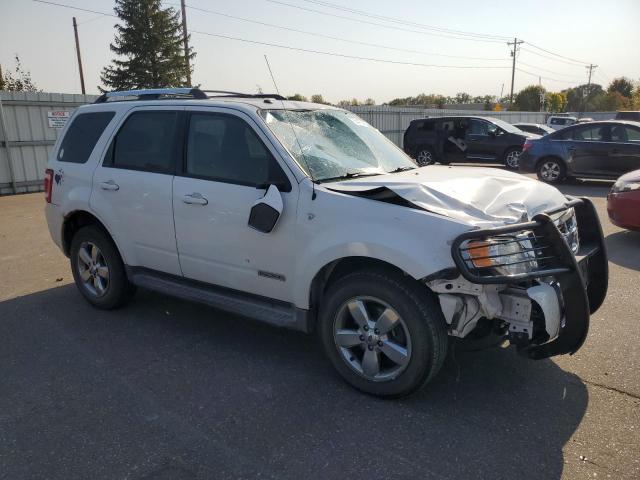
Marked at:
<point>166,389</point>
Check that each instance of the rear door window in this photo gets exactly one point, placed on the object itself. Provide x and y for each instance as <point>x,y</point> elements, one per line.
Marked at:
<point>596,133</point>
<point>82,136</point>
<point>146,141</point>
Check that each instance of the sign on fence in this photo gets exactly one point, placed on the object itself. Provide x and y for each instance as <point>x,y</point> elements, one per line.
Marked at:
<point>58,118</point>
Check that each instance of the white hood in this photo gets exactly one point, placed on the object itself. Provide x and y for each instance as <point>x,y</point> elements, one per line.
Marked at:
<point>481,197</point>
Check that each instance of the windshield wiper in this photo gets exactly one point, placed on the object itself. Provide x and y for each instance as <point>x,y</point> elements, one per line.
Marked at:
<point>402,169</point>
<point>348,176</point>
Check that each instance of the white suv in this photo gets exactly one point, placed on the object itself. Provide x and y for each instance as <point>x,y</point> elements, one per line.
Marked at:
<point>304,216</point>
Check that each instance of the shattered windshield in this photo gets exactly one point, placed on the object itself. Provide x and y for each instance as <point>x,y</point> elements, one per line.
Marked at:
<point>334,144</point>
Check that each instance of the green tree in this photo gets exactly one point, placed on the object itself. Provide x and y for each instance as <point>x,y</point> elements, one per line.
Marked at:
<point>298,98</point>
<point>369,101</point>
<point>622,85</point>
<point>583,97</point>
<point>19,80</point>
<point>317,98</point>
<point>556,102</point>
<point>612,101</point>
<point>529,98</point>
<point>149,48</point>
<point>462,97</point>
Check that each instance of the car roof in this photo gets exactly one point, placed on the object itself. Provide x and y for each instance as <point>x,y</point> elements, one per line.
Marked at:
<point>531,124</point>
<point>453,117</point>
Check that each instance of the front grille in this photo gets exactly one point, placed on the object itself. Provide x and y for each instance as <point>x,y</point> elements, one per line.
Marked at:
<point>568,227</point>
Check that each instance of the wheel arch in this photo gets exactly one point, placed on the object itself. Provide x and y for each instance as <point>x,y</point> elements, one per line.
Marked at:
<point>551,156</point>
<point>74,221</point>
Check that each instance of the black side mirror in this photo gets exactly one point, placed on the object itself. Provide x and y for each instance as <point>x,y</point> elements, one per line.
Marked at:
<point>265,212</point>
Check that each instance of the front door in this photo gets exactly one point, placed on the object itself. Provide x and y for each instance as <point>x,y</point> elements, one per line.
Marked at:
<point>228,165</point>
<point>481,140</point>
<point>132,188</point>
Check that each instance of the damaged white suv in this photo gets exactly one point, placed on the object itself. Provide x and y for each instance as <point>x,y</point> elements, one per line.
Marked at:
<point>304,216</point>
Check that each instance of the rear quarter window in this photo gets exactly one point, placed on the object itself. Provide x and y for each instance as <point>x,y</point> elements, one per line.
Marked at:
<point>82,136</point>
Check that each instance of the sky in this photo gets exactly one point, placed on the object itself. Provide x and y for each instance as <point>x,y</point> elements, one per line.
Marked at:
<point>605,33</point>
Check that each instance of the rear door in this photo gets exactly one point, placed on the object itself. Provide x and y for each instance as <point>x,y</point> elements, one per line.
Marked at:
<point>588,149</point>
<point>132,187</point>
<point>625,148</point>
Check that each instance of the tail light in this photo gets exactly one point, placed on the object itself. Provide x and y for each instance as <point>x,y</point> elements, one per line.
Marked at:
<point>48,184</point>
<point>527,145</point>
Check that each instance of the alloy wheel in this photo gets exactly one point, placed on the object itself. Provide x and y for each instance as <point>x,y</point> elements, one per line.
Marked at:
<point>513,159</point>
<point>93,269</point>
<point>550,171</point>
<point>425,157</point>
<point>372,338</point>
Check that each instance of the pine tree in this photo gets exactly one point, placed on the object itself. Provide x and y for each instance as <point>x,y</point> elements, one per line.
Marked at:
<point>150,48</point>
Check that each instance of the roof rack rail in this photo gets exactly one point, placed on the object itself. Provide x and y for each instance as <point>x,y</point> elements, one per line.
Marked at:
<point>154,94</point>
<point>182,92</point>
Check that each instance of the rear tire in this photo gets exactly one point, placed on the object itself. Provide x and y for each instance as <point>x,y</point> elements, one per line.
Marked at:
<point>551,170</point>
<point>404,343</point>
<point>511,157</point>
<point>98,269</point>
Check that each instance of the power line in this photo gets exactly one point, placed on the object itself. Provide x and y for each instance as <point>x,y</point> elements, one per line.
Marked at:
<point>405,22</point>
<point>542,76</point>
<point>557,54</point>
<point>340,39</point>
<point>73,7</point>
<point>545,70</point>
<point>533,52</point>
<point>344,55</point>
<point>320,12</point>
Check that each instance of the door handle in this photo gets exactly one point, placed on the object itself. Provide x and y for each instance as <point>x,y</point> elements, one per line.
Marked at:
<point>109,185</point>
<point>195,199</point>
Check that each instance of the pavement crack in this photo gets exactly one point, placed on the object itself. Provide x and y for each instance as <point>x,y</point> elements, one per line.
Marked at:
<point>612,389</point>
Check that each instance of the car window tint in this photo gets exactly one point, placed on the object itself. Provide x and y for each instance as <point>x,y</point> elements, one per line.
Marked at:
<point>633,134</point>
<point>478,127</point>
<point>146,141</point>
<point>596,133</point>
<point>557,121</point>
<point>82,136</point>
<point>225,148</point>
<point>427,126</point>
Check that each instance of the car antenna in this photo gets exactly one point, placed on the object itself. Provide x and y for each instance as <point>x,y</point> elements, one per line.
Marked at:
<point>313,182</point>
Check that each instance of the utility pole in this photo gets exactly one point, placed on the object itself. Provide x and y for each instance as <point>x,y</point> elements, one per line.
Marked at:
<point>185,39</point>
<point>585,97</point>
<point>515,44</point>
<point>75,32</point>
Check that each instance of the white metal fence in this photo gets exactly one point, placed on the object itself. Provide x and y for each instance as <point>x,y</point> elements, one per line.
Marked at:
<point>30,124</point>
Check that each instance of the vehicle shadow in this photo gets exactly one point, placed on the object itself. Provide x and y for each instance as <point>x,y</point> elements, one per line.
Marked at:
<point>619,244</point>
<point>168,389</point>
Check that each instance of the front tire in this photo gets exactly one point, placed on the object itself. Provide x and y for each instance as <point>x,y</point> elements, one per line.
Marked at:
<point>383,332</point>
<point>98,269</point>
<point>551,170</point>
<point>511,158</point>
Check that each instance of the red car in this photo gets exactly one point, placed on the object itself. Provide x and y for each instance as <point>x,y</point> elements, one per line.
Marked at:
<point>623,201</point>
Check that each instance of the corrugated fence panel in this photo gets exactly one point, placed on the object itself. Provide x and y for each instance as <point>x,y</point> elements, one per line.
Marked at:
<point>29,136</point>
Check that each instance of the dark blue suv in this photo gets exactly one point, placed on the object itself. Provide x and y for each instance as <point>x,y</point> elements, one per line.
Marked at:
<point>605,150</point>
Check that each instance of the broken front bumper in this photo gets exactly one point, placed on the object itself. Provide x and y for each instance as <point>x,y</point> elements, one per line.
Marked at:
<point>581,278</point>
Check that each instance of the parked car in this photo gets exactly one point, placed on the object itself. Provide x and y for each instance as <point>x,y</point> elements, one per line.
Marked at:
<point>558,122</point>
<point>628,115</point>
<point>623,201</point>
<point>594,150</point>
<point>584,120</point>
<point>304,216</point>
<point>535,128</point>
<point>461,139</point>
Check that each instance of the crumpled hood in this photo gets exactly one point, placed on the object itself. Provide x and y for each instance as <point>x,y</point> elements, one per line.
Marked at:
<point>481,197</point>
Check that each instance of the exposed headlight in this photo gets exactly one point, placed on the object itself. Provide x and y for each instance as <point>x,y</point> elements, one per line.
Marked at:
<point>506,255</point>
<point>623,186</point>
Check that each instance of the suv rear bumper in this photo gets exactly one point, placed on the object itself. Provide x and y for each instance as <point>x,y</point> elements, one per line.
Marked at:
<point>582,278</point>
<point>55,220</point>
